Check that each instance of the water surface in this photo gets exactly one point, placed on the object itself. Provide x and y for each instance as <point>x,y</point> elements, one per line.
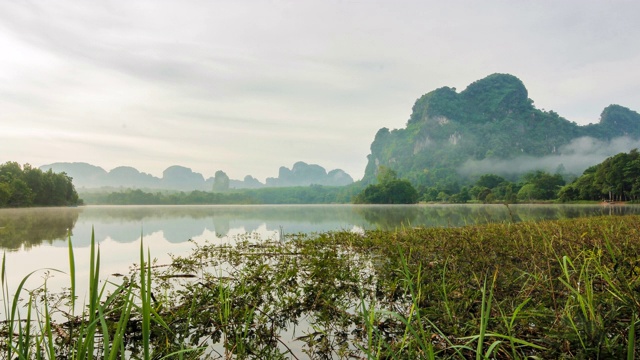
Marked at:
<point>36,238</point>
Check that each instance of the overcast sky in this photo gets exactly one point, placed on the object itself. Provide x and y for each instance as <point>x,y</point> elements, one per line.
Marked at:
<point>249,86</point>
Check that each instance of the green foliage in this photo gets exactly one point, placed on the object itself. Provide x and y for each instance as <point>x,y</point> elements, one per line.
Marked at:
<point>490,181</point>
<point>480,193</point>
<point>386,175</point>
<point>28,186</point>
<point>530,192</point>
<point>548,290</point>
<point>616,179</point>
<point>388,190</point>
<point>487,189</point>
<point>540,185</point>
<point>99,331</point>
<point>314,194</point>
<point>619,121</point>
<point>462,197</point>
<point>5,194</point>
<point>493,118</point>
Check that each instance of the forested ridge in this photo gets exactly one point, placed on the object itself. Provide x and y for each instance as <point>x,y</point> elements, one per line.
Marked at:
<point>23,186</point>
<point>492,120</point>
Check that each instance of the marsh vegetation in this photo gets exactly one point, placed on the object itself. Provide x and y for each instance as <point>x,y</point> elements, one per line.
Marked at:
<point>551,289</point>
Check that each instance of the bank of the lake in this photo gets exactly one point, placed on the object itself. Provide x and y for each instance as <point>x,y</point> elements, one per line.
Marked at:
<point>549,289</point>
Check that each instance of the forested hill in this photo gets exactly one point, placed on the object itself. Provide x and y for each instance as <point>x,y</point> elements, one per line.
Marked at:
<point>452,135</point>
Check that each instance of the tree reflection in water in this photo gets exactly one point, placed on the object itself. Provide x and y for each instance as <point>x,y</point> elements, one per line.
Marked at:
<point>31,227</point>
<point>123,224</point>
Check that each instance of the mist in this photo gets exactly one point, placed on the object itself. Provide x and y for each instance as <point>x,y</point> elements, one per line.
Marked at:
<point>575,157</point>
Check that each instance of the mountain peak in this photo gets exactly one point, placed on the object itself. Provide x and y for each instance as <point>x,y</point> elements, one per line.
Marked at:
<point>491,119</point>
<point>616,120</point>
<point>482,101</point>
<point>496,92</point>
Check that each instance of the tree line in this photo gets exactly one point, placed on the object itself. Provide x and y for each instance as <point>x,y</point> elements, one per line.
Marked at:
<point>388,190</point>
<point>23,186</point>
<point>491,188</point>
<point>314,194</point>
<point>615,179</point>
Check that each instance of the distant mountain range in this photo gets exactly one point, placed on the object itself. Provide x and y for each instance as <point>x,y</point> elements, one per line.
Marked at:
<point>181,178</point>
<point>451,137</point>
<point>493,127</point>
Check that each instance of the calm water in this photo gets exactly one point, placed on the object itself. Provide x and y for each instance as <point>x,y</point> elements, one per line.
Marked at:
<point>36,238</point>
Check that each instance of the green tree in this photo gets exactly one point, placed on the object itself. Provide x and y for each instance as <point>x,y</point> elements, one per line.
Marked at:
<point>5,194</point>
<point>617,178</point>
<point>9,171</point>
<point>442,196</point>
<point>400,192</point>
<point>530,192</point>
<point>21,194</point>
<point>490,181</point>
<point>389,190</point>
<point>543,186</point>
<point>29,186</point>
<point>386,175</point>
<point>461,197</point>
<point>480,192</point>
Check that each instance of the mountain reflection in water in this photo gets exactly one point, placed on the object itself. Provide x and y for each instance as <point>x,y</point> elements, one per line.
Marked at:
<point>26,228</point>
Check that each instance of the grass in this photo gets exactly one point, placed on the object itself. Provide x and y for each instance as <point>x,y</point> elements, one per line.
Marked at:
<point>99,332</point>
<point>552,289</point>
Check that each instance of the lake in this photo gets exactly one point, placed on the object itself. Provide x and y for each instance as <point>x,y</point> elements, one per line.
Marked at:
<point>36,238</point>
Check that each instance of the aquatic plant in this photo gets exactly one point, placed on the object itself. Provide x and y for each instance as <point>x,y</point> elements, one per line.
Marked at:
<point>551,289</point>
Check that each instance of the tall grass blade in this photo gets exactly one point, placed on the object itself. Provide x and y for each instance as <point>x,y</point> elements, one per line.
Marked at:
<point>145,297</point>
<point>72,274</point>
<point>14,315</point>
<point>86,343</point>
<point>47,331</point>
<point>485,314</point>
<point>112,348</point>
<point>631,341</point>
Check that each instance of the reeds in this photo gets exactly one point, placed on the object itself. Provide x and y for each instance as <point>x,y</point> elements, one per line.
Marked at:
<point>98,332</point>
<point>556,289</point>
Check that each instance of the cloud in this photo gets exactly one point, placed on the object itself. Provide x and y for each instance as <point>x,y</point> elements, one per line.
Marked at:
<point>575,157</point>
<point>249,86</point>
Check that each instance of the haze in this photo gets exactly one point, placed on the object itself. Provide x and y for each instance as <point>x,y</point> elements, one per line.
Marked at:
<point>249,86</point>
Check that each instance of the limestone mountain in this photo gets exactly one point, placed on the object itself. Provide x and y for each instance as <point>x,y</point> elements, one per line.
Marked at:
<point>303,174</point>
<point>83,174</point>
<point>129,176</point>
<point>87,176</point>
<point>182,178</point>
<point>492,120</point>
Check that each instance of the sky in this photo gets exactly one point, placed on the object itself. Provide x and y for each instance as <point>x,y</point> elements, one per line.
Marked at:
<point>248,86</point>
